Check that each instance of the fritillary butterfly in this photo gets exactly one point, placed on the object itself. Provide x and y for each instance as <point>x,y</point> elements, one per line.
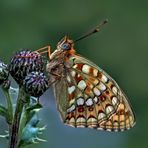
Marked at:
<point>86,95</point>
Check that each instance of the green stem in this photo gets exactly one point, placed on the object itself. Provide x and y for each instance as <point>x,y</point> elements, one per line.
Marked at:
<point>9,106</point>
<point>24,118</point>
<point>17,117</point>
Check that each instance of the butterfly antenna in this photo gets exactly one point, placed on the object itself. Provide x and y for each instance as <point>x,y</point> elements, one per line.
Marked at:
<point>95,30</point>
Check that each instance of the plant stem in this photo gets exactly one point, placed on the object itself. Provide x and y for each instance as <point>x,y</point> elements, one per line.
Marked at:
<point>24,117</point>
<point>16,120</point>
<point>9,106</point>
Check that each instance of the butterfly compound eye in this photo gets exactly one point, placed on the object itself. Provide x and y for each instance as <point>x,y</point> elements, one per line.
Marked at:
<point>65,46</point>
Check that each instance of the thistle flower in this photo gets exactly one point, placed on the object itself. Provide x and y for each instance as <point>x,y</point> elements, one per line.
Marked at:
<point>24,62</point>
<point>3,72</point>
<point>35,83</point>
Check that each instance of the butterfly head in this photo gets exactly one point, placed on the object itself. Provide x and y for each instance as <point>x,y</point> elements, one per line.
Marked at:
<point>65,44</point>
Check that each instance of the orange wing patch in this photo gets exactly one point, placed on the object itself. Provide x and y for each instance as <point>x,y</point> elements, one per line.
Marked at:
<point>95,101</point>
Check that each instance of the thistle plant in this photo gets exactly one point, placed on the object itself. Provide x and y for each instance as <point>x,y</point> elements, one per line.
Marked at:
<point>27,69</point>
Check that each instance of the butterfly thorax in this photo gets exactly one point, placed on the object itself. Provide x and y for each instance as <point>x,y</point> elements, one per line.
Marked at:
<point>59,59</point>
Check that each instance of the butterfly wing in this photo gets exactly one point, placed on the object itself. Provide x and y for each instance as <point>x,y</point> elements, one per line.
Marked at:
<point>88,97</point>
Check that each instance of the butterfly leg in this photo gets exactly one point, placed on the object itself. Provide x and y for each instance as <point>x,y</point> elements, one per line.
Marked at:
<point>46,51</point>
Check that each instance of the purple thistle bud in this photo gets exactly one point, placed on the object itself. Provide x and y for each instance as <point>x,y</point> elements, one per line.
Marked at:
<point>35,84</point>
<point>24,62</point>
<point>3,72</point>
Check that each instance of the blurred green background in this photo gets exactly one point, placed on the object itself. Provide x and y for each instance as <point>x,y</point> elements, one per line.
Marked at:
<point>121,49</point>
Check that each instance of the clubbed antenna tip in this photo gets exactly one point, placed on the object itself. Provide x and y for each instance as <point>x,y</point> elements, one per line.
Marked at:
<point>96,29</point>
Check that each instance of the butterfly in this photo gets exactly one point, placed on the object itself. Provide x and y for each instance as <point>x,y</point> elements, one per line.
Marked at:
<point>86,95</point>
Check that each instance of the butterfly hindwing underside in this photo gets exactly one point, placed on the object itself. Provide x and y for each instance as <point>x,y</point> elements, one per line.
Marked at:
<point>88,97</point>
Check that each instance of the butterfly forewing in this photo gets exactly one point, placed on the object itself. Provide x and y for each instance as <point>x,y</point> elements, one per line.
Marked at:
<point>88,97</point>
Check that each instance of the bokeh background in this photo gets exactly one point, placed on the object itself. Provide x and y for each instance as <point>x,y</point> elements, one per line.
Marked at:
<point>121,49</point>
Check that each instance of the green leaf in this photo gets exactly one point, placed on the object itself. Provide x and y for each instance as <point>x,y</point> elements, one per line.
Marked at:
<point>31,131</point>
<point>34,107</point>
<point>3,111</point>
<point>31,111</point>
<point>6,135</point>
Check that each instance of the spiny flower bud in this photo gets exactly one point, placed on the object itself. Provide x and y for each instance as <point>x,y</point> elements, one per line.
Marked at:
<point>24,62</point>
<point>3,72</point>
<point>35,83</point>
